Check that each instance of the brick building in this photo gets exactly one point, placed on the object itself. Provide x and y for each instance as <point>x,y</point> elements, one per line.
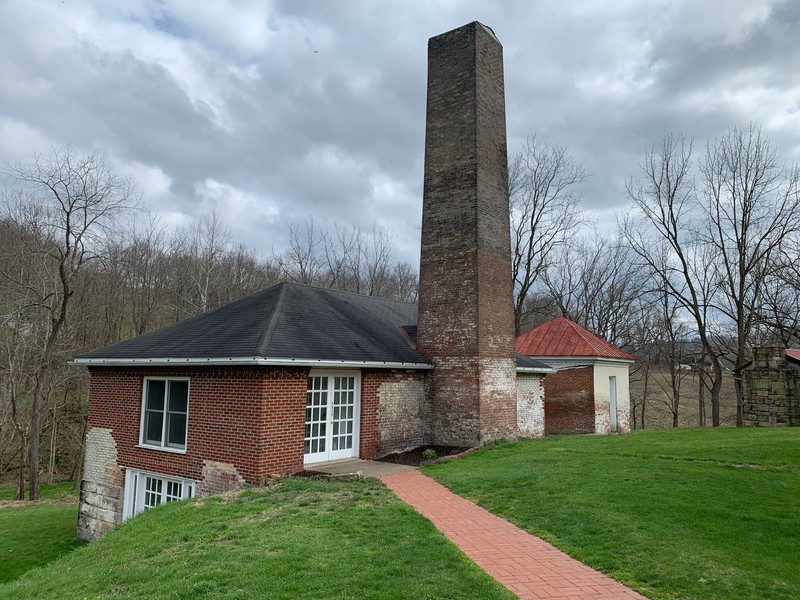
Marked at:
<point>294,375</point>
<point>589,392</point>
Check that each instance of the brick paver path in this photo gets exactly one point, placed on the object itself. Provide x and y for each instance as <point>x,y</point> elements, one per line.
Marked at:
<point>526,565</point>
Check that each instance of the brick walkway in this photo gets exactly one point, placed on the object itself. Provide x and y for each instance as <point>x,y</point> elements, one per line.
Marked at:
<point>526,565</point>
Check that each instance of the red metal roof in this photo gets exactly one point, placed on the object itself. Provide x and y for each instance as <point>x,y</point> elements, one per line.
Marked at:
<point>562,337</point>
<point>793,354</point>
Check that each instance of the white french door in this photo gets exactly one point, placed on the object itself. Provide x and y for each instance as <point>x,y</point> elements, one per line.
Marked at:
<point>332,411</point>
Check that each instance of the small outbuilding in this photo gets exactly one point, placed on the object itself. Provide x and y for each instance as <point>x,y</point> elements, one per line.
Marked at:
<point>589,392</point>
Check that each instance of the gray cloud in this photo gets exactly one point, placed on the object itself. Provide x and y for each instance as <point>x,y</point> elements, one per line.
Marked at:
<point>272,112</point>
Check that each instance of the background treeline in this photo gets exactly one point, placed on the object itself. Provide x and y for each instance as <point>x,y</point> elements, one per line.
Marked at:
<point>701,267</point>
<point>84,265</point>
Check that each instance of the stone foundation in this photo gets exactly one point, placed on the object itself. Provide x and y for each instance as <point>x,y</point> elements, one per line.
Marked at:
<point>100,507</point>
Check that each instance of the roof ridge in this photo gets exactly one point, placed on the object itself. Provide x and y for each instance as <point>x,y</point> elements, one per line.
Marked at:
<point>346,292</point>
<point>592,338</point>
<point>274,318</point>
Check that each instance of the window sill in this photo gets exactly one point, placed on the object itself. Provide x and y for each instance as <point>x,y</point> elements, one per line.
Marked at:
<point>161,449</point>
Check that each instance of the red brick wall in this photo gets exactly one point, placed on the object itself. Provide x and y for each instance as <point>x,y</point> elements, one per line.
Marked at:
<point>569,401</point>
<point>248,416</point>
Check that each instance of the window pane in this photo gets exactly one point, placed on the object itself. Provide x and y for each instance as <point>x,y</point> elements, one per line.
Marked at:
<point>153,425</point>
<point>155,394</point>
<point>174,491</point>
<point>178,396</point>
<point>176,430</point>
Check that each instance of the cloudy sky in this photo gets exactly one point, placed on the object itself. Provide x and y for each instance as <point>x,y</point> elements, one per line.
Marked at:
<point>271,111</point>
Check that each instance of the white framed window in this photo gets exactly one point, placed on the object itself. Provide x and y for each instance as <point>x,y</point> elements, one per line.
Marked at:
<point>145,490</point>
<point>165,413</point>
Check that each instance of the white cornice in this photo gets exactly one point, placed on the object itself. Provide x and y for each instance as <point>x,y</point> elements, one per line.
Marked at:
<point>244,361</point>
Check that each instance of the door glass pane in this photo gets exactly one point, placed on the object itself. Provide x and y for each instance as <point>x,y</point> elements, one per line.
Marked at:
<point>344,400</point>
<point>316,415</point>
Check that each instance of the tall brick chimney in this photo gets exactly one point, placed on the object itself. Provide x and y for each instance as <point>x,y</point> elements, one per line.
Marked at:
<point>466,317</point>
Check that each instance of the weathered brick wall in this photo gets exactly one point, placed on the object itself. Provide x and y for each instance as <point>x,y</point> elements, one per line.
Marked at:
<point>530,405</point>
<point>219,477</point>
<point>392,411</point>
<point>771,390</point>
<point>569,401</point>
<point>465,296</point>
<point>100,507</point>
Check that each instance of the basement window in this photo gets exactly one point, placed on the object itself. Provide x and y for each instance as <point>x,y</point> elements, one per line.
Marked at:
<point>146,490</point>
<point>165,414</point>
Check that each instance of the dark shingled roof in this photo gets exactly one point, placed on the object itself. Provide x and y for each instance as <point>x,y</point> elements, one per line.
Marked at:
<point>526,362</point>
<point>286,321</point>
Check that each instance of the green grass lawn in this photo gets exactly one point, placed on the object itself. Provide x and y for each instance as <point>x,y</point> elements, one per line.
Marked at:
<point>698,513</point>
<point>302,538</point>
<point>36,534</point>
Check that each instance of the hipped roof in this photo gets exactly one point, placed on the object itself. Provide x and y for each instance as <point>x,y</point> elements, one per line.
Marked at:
<point>287,323</point>
<point>562,337</point>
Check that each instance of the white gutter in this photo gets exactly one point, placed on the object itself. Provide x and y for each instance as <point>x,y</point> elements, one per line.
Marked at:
<point>538,370</point>
<point>583,359</point>
<point>244,361</point>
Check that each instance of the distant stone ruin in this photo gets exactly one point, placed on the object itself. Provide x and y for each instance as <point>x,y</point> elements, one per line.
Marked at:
<point>771,389</point>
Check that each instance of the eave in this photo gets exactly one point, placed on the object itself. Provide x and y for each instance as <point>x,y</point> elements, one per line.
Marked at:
<point>246,361</point>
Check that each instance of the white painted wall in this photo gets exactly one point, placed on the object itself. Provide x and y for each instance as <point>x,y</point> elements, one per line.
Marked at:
<point>602,416</point>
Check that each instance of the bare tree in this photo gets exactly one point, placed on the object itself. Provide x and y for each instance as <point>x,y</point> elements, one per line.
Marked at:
<point>68,203</point>
<point>673,336</point>
<point>545,203</point>
<point>351,259</point>
<point>751,204</point>
<point>667,245</point>
<point>303,261</point>
<point>145,273</point>
<point>780,318</point>
<point>595,283</point>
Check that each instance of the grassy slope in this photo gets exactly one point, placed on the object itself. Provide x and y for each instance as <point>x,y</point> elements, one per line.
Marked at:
<point>302,538</point>
<point>34,535</point>
<point>678,514</point>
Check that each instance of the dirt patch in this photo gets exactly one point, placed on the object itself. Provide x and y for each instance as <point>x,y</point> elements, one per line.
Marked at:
<point>22,503</point>
<point>425,455</point>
